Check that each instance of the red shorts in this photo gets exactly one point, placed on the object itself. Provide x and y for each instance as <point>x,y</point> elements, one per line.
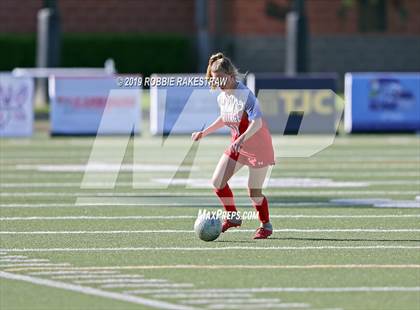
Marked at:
<point>257,151</point>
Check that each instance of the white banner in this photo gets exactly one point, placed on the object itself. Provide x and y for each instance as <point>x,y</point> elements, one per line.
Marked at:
<point>93,105</point>
<point>16,106</point>
<point>182,108</point>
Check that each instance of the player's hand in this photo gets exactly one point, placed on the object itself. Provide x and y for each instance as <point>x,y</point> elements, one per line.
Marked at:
<point>237,144</point>
<point>195,136</point>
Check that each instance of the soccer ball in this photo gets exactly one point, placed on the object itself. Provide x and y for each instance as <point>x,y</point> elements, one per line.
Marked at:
<point>208,228</point>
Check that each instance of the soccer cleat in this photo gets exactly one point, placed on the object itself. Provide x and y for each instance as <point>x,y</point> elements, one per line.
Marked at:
<point>229,224</point>
<point>262,233</point>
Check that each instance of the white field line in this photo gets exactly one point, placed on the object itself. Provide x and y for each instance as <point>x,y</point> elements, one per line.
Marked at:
<point>173,217</point>
<point>225,248</point>
<point>297,192</point>
<point>122,285</point>
<point>172,204</point>
<point>59,185</point>
<point>14,256</point>
<point>145,204</point>
<point>59,218</point>
<point>175,290</point>
<point>408,178</point>
<point>69,271</point>
<point>166,167</point>
<point>283,289</point>
<point>34,265</point>
<point>318,289</point>
<point>323,158</point>
<point>362,175</point>
<point>292,305</point>
<point>20,260</point>
<point>82,272</point>
<point>230,301</point>
<point>99,184</point>
<point>270,289</point>
<point>123,281</point>
<point>204,295</point>
<point>263,306</point>
<point>92,276</point>
<point>326,309</point>
<point>171,231</point>
<point>94,292</point>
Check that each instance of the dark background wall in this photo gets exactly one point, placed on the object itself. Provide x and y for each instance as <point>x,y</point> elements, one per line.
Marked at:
<point>341,41</point>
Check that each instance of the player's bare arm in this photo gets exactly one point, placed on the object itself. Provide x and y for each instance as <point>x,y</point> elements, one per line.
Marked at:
<point>217,124</point>
<point>253,128</point>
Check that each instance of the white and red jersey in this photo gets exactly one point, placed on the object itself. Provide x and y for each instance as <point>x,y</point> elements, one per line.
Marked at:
<point>238,108</point>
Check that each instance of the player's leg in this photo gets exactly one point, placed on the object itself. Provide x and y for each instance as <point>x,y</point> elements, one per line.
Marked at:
<point>255,184</point>
<point>225,169</point>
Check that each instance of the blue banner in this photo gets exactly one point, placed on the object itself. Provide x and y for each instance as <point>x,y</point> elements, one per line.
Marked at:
<point>382,102</point>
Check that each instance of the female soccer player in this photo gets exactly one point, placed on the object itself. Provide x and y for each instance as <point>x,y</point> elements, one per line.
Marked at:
<point>251,142</point>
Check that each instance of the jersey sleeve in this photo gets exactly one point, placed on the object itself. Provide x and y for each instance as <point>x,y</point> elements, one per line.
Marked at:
<point>252,107</point>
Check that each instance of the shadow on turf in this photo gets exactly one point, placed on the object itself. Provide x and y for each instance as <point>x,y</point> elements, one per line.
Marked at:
<point>350,240</point>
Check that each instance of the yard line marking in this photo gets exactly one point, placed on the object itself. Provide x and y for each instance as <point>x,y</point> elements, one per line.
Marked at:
<point>230,301</point>
<point>204,295</point>
<point>34,265</point>
<point>150,267</point>
<point>108,276</point>
<point>37,205</point>
<point>297,192</point>
<point>15,256</point>
<point>122,285</point>
<point>86,232</point>
<point>143,204</point>
<point>277,289</point>
<point>156,217</point>
<point>95,292</point>
<point>82,270</point>
<point>326,309</point>
<point>308,182</point>
<point>285,248</point>
<point>36,218</point>
<point>168,201</point>
<point>69,271</point>
<point>286,289</point>
<point>176,290</point>
<point>105,281</point>
<point>346,216</point>
<point>319,289</point>
<point>20,260</point>
<point>262,306</point>
<point>60,184</point>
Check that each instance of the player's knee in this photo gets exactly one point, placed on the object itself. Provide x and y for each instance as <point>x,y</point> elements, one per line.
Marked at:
<point>217,183</point>
<point>256,195</point>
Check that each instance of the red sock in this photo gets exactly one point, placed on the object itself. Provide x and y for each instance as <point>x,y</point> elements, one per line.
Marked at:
<point>262,209</point>
<point>226,198</point>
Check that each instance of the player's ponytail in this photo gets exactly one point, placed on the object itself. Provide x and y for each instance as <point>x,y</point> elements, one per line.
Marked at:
<point>220,63</point>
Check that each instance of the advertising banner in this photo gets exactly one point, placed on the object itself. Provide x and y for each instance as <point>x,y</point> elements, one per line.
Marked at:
<point>303,104</point>
<point>382,102</point>
<point>16,106</point>
<point>93,105</point>
<point>181,104</point>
